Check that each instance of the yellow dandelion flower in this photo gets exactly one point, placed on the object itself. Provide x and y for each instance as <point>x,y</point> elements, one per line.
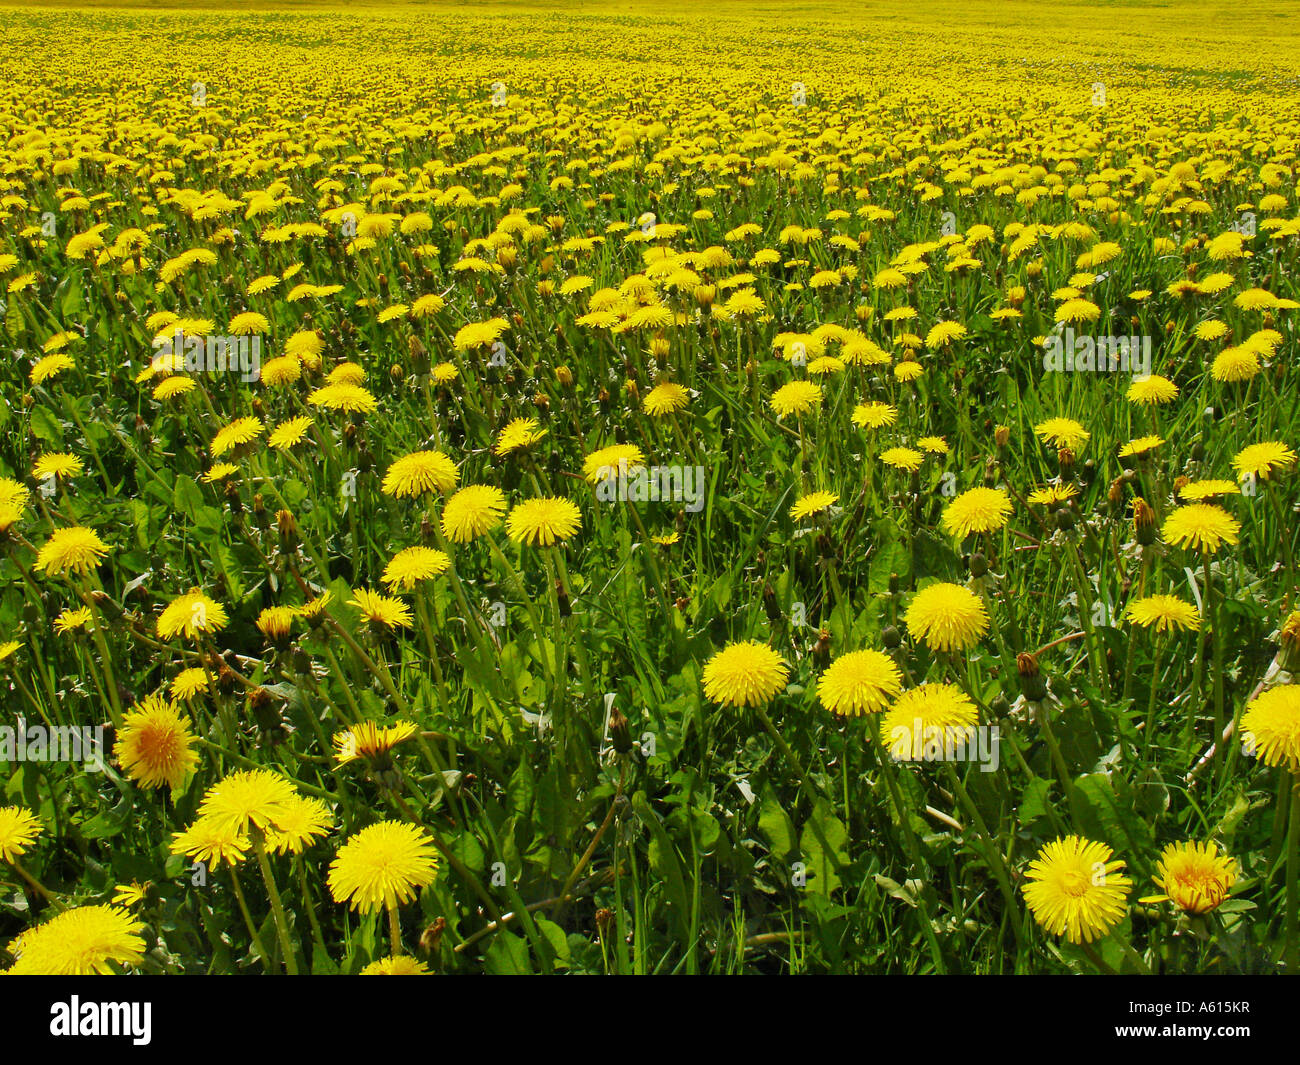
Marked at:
<point>1075,889</point>
<point>748,673</point>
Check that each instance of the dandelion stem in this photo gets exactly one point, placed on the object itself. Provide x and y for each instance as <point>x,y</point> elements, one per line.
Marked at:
<point>277,906</point>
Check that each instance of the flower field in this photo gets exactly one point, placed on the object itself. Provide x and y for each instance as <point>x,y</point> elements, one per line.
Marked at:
<point>594,488</point>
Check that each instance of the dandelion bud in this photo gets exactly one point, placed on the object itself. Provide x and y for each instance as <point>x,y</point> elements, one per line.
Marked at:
<point>565,376</point>
<point>431,937</point>
<point>890,637</point>
<point>1066,459</point>
<point>893,584</point>
<point>1144,522</point>
<point>979,565</point>
<point>1000,706</point>
<point>562,599</point>
<point>821,651</point>
<point>106,606</point>
<point>704,296</point>
<point>546,288</point>
<point>862,312</point>
<point>507,257</point>
<point>287,526</point>
<point>260,515</point>
<point>1065,519</point>
<point>1032,682</point>
<point>232,498</point>
<point>396,373</point>
<point>604,921</point>
<point>419,355</point>
<point>266,714</point>
<point>1002,435</point>
<point>1289,638</point>
<point>770,606</point>
<point>659,347</point>
<point>619,734</point>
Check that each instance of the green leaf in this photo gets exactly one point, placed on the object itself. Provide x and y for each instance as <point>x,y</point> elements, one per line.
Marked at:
<point>46,425</point>
<point>776,826</point>
<point>187,496</point>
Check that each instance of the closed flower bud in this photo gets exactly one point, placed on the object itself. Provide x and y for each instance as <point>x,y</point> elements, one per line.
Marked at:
<point>1144,522</point>
<point>1002,435</point>
<point>1289,638</point>
<point>619,733</point>
<point>1032,682</point>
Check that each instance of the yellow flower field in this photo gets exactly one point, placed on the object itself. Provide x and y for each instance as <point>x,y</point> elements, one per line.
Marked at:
<point>736,488</point>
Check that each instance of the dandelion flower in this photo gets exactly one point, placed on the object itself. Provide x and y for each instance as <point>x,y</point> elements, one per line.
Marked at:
<point>1195,491</point>
<point>798,397</point>
<point>397,965</point>
<point>665,398</point>
<point>383,865</point>
<point>902,458</point>
<point>744,674</point>
<point>812,503</point>
<point>420,472</point>
<point>288,434</point>
<point>192,614</point>
<point>1062,432</point>
<point>1200,527</point>
<point>240,431</point>
<point>60,466</point>
<point>18,829</point>
<point>300,823</point>
<point>211,842</point>
<point>859,682</point>
<point>155,745</point>
<point>1261,460</point>
<point>381,611</point>
<point>473,511</point>
<point>1271,726</point>
<point>608,461</point>
<point>1194,876</point>
<point>370,741</point>
<point>874,415</point>
<point>947,617</point>
<point>414,564</point>
<point>940,713</point>
<point>1165,612</point>
<point>518,434</point>
<point>979,510</point>
<point>544,521</point>
<point>247,799</point>
<point>76,550</point>
<point>1152,390</point>
<point>86,941</point>
<point>1143,445</point>
<point>1076,890</point>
